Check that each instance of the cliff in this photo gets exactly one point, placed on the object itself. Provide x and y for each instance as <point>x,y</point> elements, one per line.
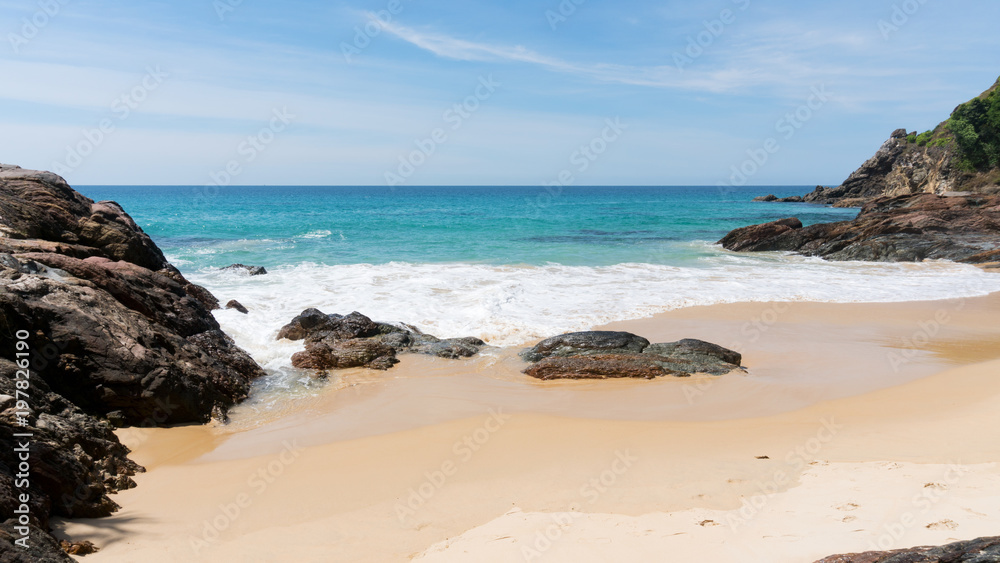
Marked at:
<point>961,154</point>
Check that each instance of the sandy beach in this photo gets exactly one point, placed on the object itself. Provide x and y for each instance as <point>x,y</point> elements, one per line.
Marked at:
<point>856,427</point>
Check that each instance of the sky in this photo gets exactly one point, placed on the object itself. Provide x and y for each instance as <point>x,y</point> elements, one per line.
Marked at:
<point>514,92</point>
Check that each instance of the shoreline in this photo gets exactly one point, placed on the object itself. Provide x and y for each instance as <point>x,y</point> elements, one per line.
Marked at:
<point>358,453</point>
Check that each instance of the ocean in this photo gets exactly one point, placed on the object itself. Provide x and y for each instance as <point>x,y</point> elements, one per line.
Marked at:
<point>506,264</point>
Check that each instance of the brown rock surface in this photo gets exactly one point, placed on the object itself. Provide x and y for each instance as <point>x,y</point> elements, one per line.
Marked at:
<point>115,333</point>
<point>893,229</point>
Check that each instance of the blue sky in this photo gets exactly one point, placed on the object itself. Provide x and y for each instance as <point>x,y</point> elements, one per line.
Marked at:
<point>291,93</point>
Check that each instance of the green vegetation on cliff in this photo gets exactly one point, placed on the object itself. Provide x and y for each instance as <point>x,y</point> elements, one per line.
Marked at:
<point>976,128</point>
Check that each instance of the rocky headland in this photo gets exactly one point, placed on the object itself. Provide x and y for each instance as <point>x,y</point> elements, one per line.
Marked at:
<point>892,229</point>
<point>960,155</point>
<point>116,336</point>
<point>934,195</point>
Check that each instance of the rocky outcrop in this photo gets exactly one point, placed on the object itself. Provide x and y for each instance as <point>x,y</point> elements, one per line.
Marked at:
<point>747,238</point>
<point>772,197</point>
<point>944,160</point>
<point>338,341</point>
<point>122,330</point>
<point>605,355</point>
<point>899,167</point>
<point>898,229</point>
<point>981,550</point>
<point>248,270</point>
<point>116,335</point>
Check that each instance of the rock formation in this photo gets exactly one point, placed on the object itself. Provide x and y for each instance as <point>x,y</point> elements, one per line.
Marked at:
<point>338,341</point>
<point>605,354</point>
<point>116,335</point>
<point>248,270</point>
<point>895,229</point>
<point>959,155</point>
<point>981,550</point>
<point>234,304</point>
<point>772,197</point>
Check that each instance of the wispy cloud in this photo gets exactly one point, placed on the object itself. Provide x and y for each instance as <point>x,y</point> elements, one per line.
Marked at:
<point>661,76</point>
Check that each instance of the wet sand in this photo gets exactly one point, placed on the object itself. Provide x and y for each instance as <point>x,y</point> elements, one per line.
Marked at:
<point>848,413</point>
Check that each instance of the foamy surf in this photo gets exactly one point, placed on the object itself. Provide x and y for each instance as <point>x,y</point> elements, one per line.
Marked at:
<point>512,305</point>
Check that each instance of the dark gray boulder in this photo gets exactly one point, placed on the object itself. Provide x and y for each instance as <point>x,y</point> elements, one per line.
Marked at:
<point>603,354</point>
<point>337,341</point>
<point>584,343</point>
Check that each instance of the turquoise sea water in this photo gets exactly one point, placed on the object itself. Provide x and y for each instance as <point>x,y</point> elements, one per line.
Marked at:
<point>579,226</point>
<point>506,264</point>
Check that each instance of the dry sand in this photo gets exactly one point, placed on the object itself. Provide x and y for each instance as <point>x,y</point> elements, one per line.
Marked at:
<point>857,426</point>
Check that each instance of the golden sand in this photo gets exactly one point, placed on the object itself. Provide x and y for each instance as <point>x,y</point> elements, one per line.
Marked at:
<point>856,426</point>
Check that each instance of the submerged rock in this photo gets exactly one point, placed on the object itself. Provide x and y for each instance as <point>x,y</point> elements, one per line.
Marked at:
<point>604,355</point>
<point>337,341</point>
<point>774,198</point>
<point>249,270</point>
<point>234,304</point>
<point>898,229</point>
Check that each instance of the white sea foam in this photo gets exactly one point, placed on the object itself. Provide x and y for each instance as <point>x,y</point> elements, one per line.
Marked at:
<point>511,305</point>
<point>316,234</point>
